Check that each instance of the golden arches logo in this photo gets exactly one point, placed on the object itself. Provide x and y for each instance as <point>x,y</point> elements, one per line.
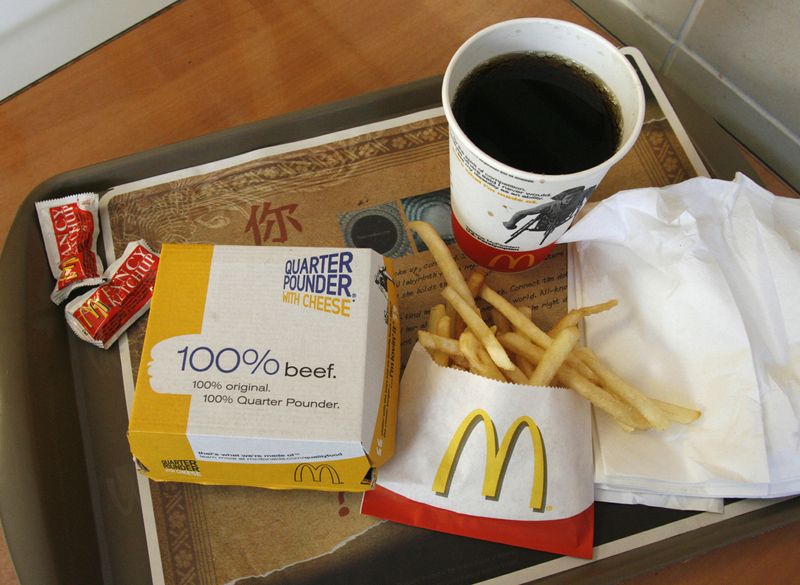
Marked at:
<point>513,262</point>
<point>95,308</point>
<point>316,472</point>
<point>496,459</point>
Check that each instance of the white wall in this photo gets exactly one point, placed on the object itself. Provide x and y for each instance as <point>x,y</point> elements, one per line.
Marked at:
<point>738,59</point>
<point>39,36</point>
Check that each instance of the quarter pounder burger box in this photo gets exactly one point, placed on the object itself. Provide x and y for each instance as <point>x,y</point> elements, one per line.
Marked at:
<point>272,367</point>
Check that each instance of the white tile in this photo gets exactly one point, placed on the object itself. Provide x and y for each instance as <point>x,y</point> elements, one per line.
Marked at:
<point>755,46</point>
<point>669,15</point>
<point>746,120</point>
<point>630,27</point>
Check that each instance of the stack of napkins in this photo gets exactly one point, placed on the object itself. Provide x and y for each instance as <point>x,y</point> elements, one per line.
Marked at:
<point>707,274</point>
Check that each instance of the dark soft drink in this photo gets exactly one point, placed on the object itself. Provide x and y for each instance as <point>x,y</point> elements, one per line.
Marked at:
<point>538,113</point>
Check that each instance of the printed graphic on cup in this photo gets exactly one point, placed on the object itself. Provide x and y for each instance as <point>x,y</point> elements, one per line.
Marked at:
<point>538,110</point>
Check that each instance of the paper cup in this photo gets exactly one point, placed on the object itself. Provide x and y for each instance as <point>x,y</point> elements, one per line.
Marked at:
<point>504,218</point>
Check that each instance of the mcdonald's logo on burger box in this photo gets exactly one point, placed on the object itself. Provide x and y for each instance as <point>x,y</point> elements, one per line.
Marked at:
<point>272,367</point>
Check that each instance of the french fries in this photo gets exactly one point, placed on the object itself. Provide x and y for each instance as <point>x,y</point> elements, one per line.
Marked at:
<point>575,316</point>
<point>436,323</point>
<point>478,357</point>
<point>445,261</point>
<point>678,414</point>
<point>513,348</point>
<point>622,389</point>
<point>481,330</point>
<point>566,376</point>
<point>554,357</point>
<point>437,343</point>
<point>503,324</point>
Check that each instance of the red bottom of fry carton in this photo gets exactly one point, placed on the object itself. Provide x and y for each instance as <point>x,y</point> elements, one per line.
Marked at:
<point>572,536</point>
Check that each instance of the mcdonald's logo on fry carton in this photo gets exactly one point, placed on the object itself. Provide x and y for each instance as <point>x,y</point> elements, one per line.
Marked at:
<point>496,458</point>
<point>268,367</point>
<point>489,460</point>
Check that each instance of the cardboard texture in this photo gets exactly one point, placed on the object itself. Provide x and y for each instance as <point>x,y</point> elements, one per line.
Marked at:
<point>360,192</point>
<point>225,396</point>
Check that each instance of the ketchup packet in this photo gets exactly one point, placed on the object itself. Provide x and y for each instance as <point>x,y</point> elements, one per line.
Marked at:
<point>70,229</point>
<point>102,314</point>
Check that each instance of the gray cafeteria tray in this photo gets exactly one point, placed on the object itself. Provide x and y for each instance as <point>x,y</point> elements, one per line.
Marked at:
<point>69,502</point>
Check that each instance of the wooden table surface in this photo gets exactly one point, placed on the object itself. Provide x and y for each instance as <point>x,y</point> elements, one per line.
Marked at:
<point>205,65</point>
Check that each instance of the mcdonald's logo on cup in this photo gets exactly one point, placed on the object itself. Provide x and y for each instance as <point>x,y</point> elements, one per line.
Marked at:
<point>496,458</point>
<point>306,472</point>
<point>495,258</point>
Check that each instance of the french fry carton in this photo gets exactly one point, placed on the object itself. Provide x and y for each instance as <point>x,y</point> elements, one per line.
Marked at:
<point>491,460</point>
<point>273,367</point>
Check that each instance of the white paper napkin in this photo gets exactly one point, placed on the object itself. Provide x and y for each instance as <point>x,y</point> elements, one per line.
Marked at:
<point>707,273</point>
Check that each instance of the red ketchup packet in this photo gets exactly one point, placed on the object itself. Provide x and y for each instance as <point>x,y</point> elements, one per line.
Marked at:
<point>102,314</point>
<point>70,229</point>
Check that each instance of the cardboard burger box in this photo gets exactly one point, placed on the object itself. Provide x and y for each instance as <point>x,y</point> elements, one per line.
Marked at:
<point>273,367</point>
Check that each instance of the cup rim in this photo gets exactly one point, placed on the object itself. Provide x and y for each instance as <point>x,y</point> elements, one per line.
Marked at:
<point>621,151</point>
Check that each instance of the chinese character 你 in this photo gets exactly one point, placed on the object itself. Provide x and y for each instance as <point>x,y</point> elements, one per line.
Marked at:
<point>265,217</point>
